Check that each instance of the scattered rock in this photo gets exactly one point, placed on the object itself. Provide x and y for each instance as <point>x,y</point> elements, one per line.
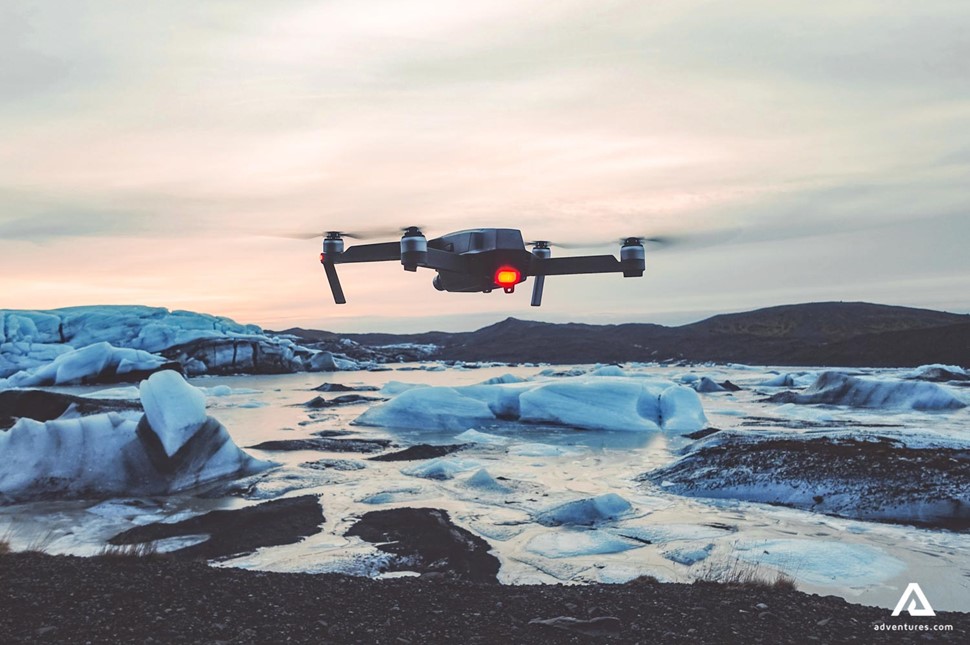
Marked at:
<point>333,464</point>
<point>425,540</point>
<point>420,451</point>
<point>280,521</point>
<point>700,434</point>
<point>340,387</point>
<point>41,405</point>
<point>319,402</point>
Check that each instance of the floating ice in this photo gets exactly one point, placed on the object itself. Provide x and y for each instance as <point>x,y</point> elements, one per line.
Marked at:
<point>542,450</point>
<point>838,388</point>
<point>115,393</point>
<point>428,407</point>
<point>588,511</point>
<point>504,378</point>
<point>571,543</point>
<point>823,562</point>
<point>598,402</point>
<point>111,454</point>
<point>97,361</point>
<point>474,436</point>
<point>483,480</point>
<point>938,372</point>
<point>441,468</point>
<point>688,555</point>
<point>174,409</point>
<point>393,388</point>
<point>707,385</point>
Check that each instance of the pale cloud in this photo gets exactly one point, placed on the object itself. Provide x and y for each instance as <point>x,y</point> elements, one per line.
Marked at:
<point>152,145</point>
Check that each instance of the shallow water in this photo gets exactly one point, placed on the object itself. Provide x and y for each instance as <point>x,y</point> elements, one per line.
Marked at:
<point>661,535</point>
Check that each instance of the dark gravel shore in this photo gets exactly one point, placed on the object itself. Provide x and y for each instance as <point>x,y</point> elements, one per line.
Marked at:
<point>124,599</point>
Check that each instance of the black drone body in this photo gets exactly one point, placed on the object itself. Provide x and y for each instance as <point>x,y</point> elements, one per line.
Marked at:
<point>478,260</point>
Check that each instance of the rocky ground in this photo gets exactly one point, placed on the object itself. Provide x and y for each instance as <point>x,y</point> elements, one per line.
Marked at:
<point>126,599</point>
<point>860,477</point>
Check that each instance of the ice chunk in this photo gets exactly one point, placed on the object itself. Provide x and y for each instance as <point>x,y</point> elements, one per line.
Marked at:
<point>937,373</point>
<point>474,436</point>
<point>707,385</point>
<point>571,543</point>
<point>429,407</point>
<point>599,403</point>
<point>688,555</point>
<point>174,409</point>
<point>108,455</point>
<point>823,562</point>
<point>542,450</point>
<point>120,393</point>
<point>483,480</point>
<point>602,403</point>
<point>100,360</point>
<point>588,511</point>
<point>441,468</point>
<point>681,410</point>
<point>608,370</point>
<point>838,388</point>
<point>393,388</point>
<point>504,378</point>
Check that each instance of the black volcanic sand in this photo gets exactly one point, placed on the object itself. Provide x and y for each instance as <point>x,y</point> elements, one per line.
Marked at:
<point>41,405</point>
<point>425,540</point>
<point>63,599</point>
<point>280,521</point>
<point>420,451</point>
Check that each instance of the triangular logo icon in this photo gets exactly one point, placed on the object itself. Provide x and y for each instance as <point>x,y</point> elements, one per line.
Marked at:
<point>924,608</point>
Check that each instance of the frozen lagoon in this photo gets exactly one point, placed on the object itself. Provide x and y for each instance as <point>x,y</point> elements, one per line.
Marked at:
<point>540,469</point>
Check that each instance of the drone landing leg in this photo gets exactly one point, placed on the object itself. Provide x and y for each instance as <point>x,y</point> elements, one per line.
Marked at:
<point>540,281</point>
<point>338,292</point>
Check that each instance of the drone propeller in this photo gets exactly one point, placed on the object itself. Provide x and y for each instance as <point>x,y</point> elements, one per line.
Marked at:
<point>658,242</point>
<point>360,234</point>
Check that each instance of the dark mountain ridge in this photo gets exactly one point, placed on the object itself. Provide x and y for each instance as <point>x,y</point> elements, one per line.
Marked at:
<point>824,333</point>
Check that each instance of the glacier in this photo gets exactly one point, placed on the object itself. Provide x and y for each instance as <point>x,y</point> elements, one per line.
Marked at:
<point>113,343</point>
<point>174,446</point>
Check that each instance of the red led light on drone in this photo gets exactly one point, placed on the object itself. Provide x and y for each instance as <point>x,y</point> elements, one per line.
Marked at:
<point>507,276</point>
<point>323,258</point>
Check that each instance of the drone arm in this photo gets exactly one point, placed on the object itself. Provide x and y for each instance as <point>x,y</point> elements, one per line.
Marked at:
<point>382,252</point>
<point>574,265</point>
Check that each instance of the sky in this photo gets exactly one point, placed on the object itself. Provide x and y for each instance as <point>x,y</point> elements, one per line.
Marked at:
<point>155,152</point>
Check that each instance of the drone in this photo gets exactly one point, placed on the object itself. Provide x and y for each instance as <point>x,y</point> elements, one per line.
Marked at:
<point>477,260</point>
